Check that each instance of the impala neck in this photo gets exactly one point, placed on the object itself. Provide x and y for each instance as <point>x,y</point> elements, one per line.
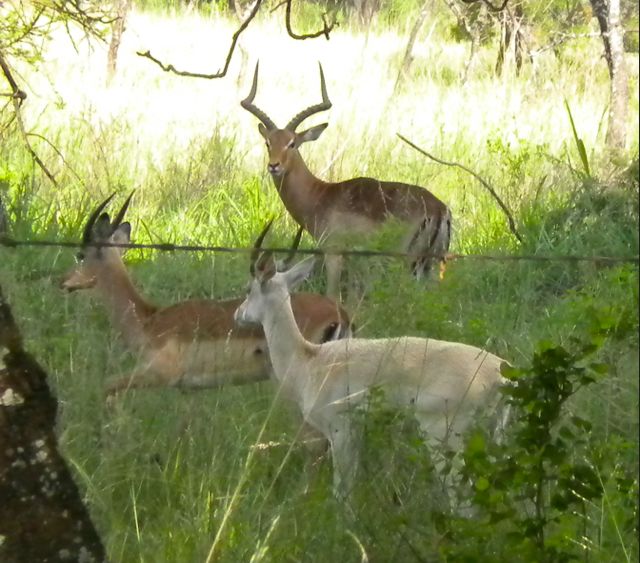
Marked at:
<point>300,193</point>
<point>288,349</point>
<point>127,308</point>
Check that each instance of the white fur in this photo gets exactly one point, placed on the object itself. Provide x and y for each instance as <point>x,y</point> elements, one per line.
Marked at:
<point>445,382</point>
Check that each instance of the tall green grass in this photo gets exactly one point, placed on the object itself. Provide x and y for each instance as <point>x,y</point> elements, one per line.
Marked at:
<point>164,470</point>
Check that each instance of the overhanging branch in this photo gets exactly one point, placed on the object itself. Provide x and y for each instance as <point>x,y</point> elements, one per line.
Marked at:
<point>167,67</point>
<point>327,27</point>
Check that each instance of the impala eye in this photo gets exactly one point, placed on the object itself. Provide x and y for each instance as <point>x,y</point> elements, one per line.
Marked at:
<point>292,144</point>
<point>79,257</point>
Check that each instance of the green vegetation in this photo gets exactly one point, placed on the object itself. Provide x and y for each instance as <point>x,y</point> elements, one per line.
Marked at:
<point>167,472</point>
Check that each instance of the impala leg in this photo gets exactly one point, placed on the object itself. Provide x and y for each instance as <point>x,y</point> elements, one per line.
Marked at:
<point>140,378</point>
<point>333,264</point>
<point>345,456</point>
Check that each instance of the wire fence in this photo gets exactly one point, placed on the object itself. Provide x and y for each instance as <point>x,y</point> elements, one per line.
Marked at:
<point>10,242</point>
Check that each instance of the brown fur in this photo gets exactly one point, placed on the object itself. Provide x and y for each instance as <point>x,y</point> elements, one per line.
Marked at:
<point>328,210</point>
<point>194,343</point>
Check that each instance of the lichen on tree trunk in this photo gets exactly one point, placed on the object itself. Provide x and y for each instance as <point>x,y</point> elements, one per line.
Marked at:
<point>42,517</point>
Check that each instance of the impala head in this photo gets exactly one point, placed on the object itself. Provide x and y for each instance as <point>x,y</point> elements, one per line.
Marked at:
<point>91,260</point>
<point>268,286</point>
<point>282,144</point>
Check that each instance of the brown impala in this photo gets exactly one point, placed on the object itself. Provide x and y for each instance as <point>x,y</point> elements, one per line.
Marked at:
<point>194,343</point>
<point>329,210</point>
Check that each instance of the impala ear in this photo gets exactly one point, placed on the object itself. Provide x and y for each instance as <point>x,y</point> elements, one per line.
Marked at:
<point>263,130</point>
<point>122,235</point>
<point>298,273</point>
<point>310,134</point>
<point>102,227</point>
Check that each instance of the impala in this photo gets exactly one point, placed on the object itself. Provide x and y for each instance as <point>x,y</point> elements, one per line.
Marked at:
<point>194,343</point>
<point>331,210</point>
<point>444,383</point>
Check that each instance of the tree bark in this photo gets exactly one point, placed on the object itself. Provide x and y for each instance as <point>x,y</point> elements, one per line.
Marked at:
<point>510,39</point>
<point>122,10</point>
<point>413,35</point>
<point>618,103</point>
<point>601,10</point>
<point>42,516</point>
<point>4,219</point>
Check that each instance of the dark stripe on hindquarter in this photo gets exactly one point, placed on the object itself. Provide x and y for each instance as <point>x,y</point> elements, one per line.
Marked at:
<point>435,234</point>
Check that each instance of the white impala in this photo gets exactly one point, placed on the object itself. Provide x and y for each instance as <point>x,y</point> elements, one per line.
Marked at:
<point>443,382</point>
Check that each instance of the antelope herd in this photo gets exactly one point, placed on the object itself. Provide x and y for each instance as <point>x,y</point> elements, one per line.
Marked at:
<point>303,341</point>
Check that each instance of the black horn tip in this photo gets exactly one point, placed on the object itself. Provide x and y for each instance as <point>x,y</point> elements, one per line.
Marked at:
<point>123,211</point>
<point>258,242</point>
<point>294,247</point>
<point>86,235</point>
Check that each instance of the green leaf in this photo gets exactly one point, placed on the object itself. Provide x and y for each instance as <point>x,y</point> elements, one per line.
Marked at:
<point>482,484</point>
<point>582,151</point>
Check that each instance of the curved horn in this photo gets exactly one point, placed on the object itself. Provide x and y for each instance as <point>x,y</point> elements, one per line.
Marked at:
<point>326,104</point>
<point>258,243</point>
<point>86,235</point>
<point>247,103</point>
<point>121,213</point>
<point>294,247</point>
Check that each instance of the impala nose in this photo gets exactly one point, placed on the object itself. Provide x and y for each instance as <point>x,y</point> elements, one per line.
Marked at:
<point>274,168</point>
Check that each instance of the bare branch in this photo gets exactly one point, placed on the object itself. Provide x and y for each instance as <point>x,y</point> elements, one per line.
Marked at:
<point>17,94</point>
<point>560,38</point>
<point>489,5</point>
<point>59,153</point>
<point>327,27</point>
<point>170,68</point>
<point>278,5</point>
<point>490,189</point>
<point>18,97</point>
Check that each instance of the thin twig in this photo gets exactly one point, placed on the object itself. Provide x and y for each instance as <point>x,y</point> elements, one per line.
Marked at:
<point>560,38</point>
<point>489,5</point>
<point>512,223</point>
<point>18,98</point>
<point>167,67</point>
<point>278,5</point>
<point>326,29</point>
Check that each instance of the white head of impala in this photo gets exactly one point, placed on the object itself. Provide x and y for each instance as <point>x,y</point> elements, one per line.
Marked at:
<point>268,286</point>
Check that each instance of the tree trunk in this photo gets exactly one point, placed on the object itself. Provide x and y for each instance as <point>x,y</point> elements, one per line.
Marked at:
<point>510,39</point>
<point>43,517</point>
<point>122,10</point>
<point>413,35</point>
<point>4,219</point>
<point>618,103</point>
<point>601,10</point>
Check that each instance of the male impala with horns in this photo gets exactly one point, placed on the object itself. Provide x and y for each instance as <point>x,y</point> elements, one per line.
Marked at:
<point>333,211</point>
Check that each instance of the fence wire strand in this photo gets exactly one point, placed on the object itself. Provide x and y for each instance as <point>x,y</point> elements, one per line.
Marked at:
<point>10,242</point>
